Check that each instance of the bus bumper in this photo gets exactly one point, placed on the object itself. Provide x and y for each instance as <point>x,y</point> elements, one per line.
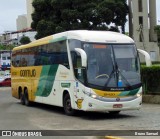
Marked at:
<point>91,104</point>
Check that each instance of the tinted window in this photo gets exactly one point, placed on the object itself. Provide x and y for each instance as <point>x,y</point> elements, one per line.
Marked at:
<point>53,53</point>
<point>57,53</point>
<point>17,58</point>
<point>32,52</point>
<point>23,58</point>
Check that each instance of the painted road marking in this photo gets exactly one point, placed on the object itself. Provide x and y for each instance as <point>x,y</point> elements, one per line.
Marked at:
<point>111,137</point>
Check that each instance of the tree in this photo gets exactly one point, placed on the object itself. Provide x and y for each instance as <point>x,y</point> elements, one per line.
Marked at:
<point>6,47</point>
<point>25,40</point>
<point>53,16</point>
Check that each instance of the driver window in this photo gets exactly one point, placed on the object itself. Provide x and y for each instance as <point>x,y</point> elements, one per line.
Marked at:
<point>77,66</point>
<point>76,59</point>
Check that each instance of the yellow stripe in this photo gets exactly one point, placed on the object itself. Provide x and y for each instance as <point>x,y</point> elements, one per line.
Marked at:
<point>106,93</point>
<point>43,39</point>
<point>35,43</point>
<point>111,137</point>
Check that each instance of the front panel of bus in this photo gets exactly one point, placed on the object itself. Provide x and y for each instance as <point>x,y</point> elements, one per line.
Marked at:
<point>111,81</point>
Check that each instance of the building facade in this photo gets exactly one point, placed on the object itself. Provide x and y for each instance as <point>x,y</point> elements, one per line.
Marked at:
<point>30,10</point>
<point>5,38</point>
<point>142,20</point>
<point>14,37</point>
<point>21,22</point>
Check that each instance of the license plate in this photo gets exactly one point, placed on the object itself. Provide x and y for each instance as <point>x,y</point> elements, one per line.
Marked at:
<point>117,106</point>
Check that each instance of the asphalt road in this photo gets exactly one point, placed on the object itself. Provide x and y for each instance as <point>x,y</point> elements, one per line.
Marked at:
<point>14,116</point>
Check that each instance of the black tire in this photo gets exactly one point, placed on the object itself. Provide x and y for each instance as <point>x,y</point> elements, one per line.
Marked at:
<point>26,100</point>
<point>21,96</point>
<point>67,106</point>
<point>114,112</point>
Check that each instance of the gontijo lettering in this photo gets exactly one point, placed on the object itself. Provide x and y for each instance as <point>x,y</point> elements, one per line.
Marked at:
<point>28,73</point>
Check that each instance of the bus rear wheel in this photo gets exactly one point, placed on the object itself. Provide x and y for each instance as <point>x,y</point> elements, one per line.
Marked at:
<point>67,105</point>
<point>21,96</point>
<point>26,100</point>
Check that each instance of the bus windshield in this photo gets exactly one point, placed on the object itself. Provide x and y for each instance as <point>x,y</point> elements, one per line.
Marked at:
<point>112,66</point>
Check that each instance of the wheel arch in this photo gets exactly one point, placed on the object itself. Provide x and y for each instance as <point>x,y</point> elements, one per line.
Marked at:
<point>65,92</point>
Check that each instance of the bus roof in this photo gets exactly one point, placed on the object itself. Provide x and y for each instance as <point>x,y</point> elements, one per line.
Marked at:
<point>99,36</point>
<point>83,35</point>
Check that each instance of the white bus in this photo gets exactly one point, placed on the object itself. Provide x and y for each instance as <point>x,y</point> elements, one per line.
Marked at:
<point>79,70</point>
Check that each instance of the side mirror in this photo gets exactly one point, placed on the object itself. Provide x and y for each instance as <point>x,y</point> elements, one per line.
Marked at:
<point>83,56</point>
<point>147,57</point>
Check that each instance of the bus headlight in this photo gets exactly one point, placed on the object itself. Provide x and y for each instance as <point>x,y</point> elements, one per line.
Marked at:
<point>139,94</point>
<point>91,95</point>
<point>94,96</point>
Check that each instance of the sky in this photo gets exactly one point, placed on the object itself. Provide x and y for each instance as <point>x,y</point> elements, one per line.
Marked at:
<point>10,9</point>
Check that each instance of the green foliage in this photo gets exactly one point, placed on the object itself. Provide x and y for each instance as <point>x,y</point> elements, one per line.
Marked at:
<point>157,29</point>
<point>127,33</point>
<point>153,63</point>
<point>25,40</point>
<point>151,78</point>
<point>6,47</point>
<point>53,16</point>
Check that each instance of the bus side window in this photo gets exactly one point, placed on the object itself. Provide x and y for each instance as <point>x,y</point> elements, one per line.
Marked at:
<point>14,58</point>
<point>18,56</point>
<point>23,59</point>
<point>63,54</point>
<point>31,56</point>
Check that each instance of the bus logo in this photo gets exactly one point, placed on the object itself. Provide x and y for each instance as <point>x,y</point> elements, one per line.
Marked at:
<point>117,99</point>
<point>28,73</point>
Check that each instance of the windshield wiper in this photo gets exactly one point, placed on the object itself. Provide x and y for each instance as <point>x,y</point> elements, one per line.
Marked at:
<point>117,72</point>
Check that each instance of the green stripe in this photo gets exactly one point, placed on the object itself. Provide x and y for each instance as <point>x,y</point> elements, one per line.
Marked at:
<point>124,93</point>
<point>129,93</point>
<point>133,92</point>
<point>46,81</point>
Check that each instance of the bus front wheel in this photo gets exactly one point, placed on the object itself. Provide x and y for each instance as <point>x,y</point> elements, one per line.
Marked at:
<point>67,105</point>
